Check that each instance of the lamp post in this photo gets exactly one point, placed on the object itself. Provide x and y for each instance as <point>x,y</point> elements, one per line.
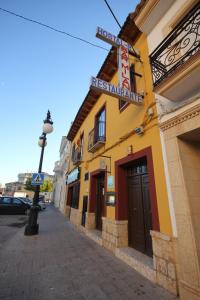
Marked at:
<point>32,227</point>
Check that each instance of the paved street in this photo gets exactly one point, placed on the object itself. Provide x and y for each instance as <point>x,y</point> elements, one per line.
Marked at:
<point>62,263</point>
<point>9,226</point>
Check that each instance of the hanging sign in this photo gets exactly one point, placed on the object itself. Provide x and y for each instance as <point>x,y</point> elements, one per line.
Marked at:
<point>111,38</point>
<point>110,182</point>
<point>115,91</point>
<point>73,176</point>
<point>124,69</point>
<point>123,91</point>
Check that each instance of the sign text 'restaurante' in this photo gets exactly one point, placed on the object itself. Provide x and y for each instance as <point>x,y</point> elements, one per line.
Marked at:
<point>115,91</point>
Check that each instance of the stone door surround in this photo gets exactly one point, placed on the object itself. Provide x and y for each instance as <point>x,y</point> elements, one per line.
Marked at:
<point>121,211</point>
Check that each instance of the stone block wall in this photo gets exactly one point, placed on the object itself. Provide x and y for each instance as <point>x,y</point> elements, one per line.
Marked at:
<point>67,211</point>
<point>165,261</point>
<point>75,216</point>
<point>90,221</point>
<point>114,233</point>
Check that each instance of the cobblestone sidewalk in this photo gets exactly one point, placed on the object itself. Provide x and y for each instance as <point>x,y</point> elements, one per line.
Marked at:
<point>62,263</point>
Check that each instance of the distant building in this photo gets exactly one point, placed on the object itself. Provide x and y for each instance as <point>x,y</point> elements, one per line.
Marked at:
<point>12,187</point>
<point>1,191</point>
<point>16,186</point>
<point>22,177</point>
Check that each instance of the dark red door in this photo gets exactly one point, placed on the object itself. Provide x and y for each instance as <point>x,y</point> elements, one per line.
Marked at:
<point>99,202</point>
<point>147,214</point>
<point>69,196</point>
<point>139,211</point>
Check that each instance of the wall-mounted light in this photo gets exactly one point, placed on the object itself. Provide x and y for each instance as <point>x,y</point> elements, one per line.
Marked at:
<point>139,130</point>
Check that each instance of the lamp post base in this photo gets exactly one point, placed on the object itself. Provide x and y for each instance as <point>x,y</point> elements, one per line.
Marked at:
<point>32,228</point>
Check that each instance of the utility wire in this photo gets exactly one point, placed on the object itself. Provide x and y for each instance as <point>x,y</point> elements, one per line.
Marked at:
<point>113,14</point>
<point>53,28</point>
<point>135,53</point>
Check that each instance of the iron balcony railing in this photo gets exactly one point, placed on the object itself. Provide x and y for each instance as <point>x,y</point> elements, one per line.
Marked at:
<point>96,136</point>
<point>182,43</point>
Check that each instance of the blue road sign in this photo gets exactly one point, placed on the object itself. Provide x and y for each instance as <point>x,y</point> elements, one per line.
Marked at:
<point>37,179</point>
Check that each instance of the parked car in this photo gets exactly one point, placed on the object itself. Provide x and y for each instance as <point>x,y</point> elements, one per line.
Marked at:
<point>41,205</point>
<point>13,205</point>
<point>27,200</point>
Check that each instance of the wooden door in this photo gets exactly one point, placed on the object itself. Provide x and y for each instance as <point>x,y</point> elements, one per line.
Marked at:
<point>99,202</point>
<point>147,214</point>
<point>69,196</point>
<point>139,213</point>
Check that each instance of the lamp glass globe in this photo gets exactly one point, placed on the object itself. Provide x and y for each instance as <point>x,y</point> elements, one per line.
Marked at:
<point>40,142</point>
<point>47,128</point>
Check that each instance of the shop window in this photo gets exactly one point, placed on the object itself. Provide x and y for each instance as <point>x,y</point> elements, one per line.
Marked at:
<point>123,104</point>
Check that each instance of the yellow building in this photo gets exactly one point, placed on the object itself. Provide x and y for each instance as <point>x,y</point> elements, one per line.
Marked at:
<point>116,184</point>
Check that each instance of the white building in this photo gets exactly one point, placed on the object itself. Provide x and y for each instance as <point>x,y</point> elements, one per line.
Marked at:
<point>22,177</point>
<point>173,33</point>
<point>60,170</point>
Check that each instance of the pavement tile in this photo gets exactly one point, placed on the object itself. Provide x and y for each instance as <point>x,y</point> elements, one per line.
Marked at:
<point>62,263</point>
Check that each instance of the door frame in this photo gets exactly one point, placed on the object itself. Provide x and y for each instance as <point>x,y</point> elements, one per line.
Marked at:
<point>121,211</point>
<point>93,190</point>
<point>84,209</point>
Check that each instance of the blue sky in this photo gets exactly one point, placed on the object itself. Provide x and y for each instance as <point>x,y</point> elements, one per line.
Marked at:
<point>41,70</point>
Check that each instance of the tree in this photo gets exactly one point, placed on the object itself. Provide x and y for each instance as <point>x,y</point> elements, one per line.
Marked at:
<point>28,185</point>
<point>47,186</point>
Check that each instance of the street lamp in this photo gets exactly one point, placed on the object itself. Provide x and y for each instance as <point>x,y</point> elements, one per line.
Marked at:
<point>32,227</point>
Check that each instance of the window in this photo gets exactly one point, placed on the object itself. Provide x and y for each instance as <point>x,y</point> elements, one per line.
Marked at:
<point>122,103</point>
<point>100,128</point>
<point>73,151</point>
<point>81,145</point>
<point>16,201</point>
<point>86,176</point>
<point>5,200</point>
<point>75,195</point>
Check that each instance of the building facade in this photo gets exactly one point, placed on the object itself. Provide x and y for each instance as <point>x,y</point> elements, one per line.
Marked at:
<point>60,170</point>
<point>172,30</point>
<point>117,192</point>
<point>12,187</point>
<point>22,177</point>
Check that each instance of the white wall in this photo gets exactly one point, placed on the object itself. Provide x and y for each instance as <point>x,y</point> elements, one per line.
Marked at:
<point>157,34</point>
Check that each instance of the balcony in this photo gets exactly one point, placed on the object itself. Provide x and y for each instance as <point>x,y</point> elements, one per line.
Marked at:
<point>95,141</point>
<point>175,62</point>
<point>77,156</point>
<point>57,167</point>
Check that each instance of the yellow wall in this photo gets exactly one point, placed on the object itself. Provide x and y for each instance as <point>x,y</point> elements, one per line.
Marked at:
<point>119,124</point>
